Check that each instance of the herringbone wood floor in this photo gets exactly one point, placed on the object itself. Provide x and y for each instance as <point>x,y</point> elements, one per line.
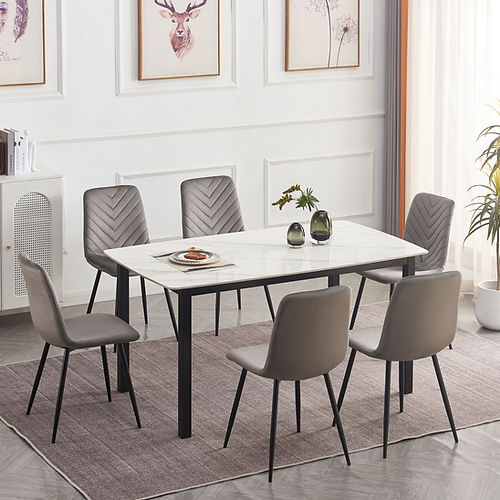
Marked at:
<point>431,467</point>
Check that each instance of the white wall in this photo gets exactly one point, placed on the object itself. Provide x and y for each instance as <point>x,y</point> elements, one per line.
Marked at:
<point>97,124</point>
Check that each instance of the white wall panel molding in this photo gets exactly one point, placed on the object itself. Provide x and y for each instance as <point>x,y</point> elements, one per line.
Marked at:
<point>377,115</point>
<point>155,134</point>
<point>126,56</point>
<point>274,50</point>
<point>160,191</point>
<point>344,184</point>
<point>54,75</point>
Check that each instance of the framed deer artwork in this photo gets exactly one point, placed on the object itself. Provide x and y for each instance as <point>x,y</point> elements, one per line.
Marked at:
<point>178,39</point>
<point>321,34</point>
<point>22,42</point>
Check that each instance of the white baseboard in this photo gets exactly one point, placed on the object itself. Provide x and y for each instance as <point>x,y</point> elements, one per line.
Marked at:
<point>81,297</point>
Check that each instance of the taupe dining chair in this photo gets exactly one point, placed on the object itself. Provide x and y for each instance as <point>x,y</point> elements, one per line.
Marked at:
<point>80,332</point>
<point>113,217</point>
<point>210,205</point>
<point>309,339</point>
<point>420,322</point>
<point>428,225</point>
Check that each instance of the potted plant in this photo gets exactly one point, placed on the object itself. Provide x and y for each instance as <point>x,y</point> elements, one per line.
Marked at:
<point>321,224</point>
<point>486,214</point>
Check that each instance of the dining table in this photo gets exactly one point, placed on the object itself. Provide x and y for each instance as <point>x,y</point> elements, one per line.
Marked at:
<point>249,259</point>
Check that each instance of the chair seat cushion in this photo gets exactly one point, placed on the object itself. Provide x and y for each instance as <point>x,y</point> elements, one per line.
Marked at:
<point>92,330</point>
<point>365,340</point>
<point>252,358</point>
<point>388,275</point>
<point>104,264</point>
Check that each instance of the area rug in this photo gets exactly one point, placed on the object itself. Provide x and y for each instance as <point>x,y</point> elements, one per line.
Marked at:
<point>100,450</point>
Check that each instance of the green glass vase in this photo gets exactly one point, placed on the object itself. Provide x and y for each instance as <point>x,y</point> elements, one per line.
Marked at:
<point>295,236</point>
<point>321,227</point>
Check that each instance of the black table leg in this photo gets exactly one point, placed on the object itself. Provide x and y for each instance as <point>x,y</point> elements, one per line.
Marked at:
<point>408,270</point>
<point>184,366</point>
<point>122,311</point>
<point>333,280</point>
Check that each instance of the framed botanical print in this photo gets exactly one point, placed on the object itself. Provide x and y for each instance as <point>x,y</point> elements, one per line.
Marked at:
<point>22,42</point>
<point>178,38</point>
<point>321,34</point>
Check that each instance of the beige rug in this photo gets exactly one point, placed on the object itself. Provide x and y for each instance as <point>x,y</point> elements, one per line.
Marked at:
<point>100,450</point>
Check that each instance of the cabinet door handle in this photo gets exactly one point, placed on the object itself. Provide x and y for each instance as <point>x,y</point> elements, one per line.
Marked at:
<point>8,247</point>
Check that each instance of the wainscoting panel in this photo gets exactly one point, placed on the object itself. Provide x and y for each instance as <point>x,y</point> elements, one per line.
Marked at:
<point>160,191</point>
<point>126,61</point>
<point>343,184</point>
<point>274,49</point>
<point>53,88</point>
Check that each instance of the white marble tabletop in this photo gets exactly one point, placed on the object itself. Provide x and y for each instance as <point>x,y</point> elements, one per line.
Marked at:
<point>264,253</point>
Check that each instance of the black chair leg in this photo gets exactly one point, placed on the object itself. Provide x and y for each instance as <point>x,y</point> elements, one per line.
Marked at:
<point>446,402</point>
<point>94,291</point>
<point>38,376</point>
<point>171,312</point>
<point>387,396</point>
<point>122,353</point>
<point>269,301</point>
<point>64,371</point>
<point>274,421</point>
<point>450,346</point>
<point>357,303</point>
<point>236,402</point>
<point>347,375</point>
<point>238,296</point>
<point>401,385</point>
<point>336,416</point>
<point>297,404</point>
<point>106,370</point>
<point>217,312</point>
<point>144,300</point>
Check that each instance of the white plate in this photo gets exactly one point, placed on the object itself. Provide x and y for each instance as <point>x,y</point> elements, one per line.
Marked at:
<point>179,258</point>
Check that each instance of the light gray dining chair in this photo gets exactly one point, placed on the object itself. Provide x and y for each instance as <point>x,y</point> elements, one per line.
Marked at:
<point>428,225</point>
<point>210,205</point>
<point>113,217</point>
<point>80,332</point>
<point>309,339</point>
<point>420,322</point>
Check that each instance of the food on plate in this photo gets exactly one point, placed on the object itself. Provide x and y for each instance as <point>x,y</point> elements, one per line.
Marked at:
<point>195,256</point>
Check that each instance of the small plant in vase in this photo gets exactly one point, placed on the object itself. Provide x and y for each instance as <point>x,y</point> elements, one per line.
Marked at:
<point>305,200</point>
<point>486,214</point>
<point>321,224</point>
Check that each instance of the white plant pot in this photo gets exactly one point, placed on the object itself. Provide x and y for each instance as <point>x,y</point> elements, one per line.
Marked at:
<point>488,305</point>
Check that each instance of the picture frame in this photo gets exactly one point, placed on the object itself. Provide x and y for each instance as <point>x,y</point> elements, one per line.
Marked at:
<point>322,34</point>
<point>188,34</point>
<point>22,42</point>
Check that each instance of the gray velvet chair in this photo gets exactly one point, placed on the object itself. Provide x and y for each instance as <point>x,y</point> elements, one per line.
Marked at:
<point>309,339</point>
<point>80,332</point>
<point>420,322</point>
<point>210,205</point>
<point>428,225</point>
<point>113,217</point>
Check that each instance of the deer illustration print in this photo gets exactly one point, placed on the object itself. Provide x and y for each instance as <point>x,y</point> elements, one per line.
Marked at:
<point>181,38</point>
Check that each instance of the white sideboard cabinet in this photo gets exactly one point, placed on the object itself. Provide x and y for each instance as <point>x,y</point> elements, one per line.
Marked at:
<point>31,222</point>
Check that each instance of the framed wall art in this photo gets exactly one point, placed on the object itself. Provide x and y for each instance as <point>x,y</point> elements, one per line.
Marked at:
<point>22,42</point>
<point>321,34</point>
<point>178,39</point>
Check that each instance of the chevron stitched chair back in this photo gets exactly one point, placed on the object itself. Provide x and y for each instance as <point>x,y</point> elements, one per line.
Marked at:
<point>428,225</point>
<point>113,217</point>
<point>210,205</point>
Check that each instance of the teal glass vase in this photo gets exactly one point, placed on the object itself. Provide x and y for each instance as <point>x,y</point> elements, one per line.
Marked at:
<point>321,227</point>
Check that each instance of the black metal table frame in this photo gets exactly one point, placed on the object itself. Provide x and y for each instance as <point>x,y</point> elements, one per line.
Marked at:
<point>185,317</point>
